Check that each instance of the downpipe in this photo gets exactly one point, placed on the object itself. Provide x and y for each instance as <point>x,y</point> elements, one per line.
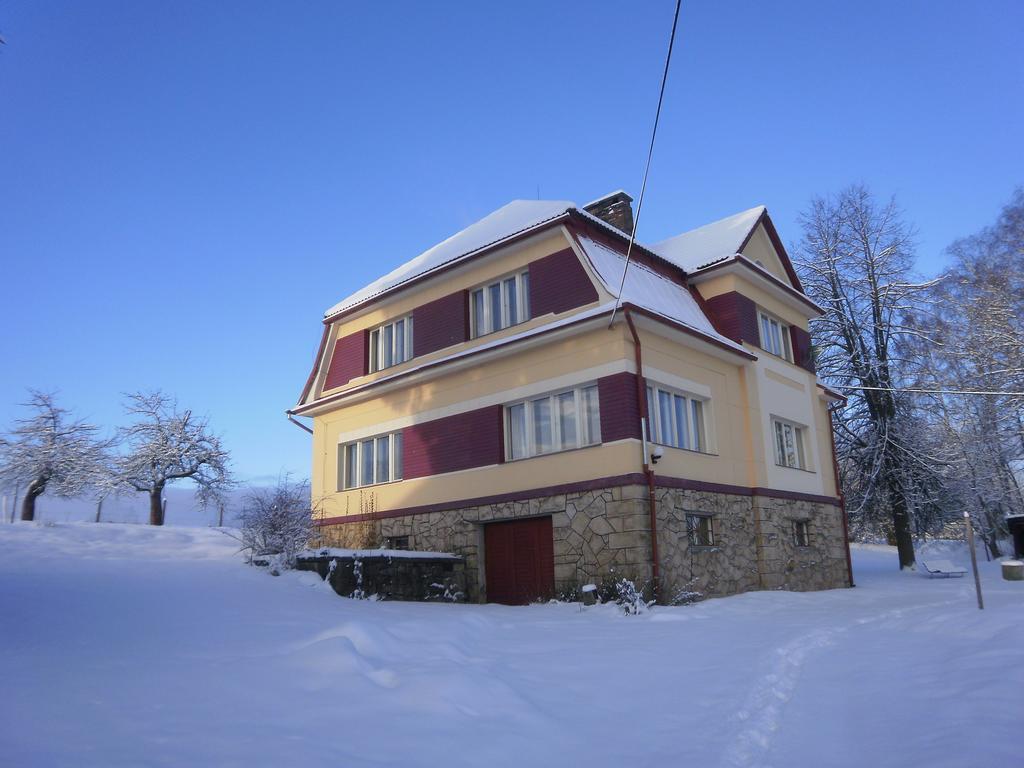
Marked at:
<point>641,401</point>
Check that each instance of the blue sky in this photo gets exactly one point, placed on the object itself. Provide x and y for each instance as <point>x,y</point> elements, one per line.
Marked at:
<point>185,187</point>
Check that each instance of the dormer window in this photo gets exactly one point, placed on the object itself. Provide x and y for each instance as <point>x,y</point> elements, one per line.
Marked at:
<point>500,304</point>
<point>391,344</point>
<point>775,336</point>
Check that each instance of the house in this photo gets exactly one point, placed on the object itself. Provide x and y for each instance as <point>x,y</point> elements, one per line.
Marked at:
<point>493,398</point>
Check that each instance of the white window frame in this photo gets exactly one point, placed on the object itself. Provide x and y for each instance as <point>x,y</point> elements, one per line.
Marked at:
<point>775,335</point>
<point>693,530</point>
<point>395,463</point>
<point>695,435</point>
<point>401,344</point>
<point>584,435</point>
<point>783,429</point>
<point>521,280</point>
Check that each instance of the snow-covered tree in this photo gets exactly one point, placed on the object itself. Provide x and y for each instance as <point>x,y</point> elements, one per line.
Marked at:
<point>164,445</point>
<point>855,260</point>
<point>980,348</point>
<point>50,451</point>
<point>278,520</point>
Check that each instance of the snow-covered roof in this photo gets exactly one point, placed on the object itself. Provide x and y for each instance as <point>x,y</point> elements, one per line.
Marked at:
<point>508,221</point>
<point>647,289</point>
<point>711,243</point>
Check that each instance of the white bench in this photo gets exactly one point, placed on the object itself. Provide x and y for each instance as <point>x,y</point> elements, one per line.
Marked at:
<point>943,569</point>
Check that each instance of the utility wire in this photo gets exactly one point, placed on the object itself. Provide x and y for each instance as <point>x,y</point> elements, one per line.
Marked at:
<point>933,391</point>
<point>647,168</point>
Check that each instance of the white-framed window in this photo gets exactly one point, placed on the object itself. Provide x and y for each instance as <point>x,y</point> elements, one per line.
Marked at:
<point>676,419</point>
<point>789,444</point>
<point>499,304</point>
<point>700,530</point>
<point>801,533</point>
<point>370,461</point>
<point>775,336</point>
<point>558,422</point>
<point>391,344</point>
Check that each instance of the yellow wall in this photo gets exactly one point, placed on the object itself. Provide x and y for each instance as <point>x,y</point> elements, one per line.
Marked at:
<point>478,272</point>
<point>667,362</point>
<point>560,364</point>
<point>791,312</point>
<point>760,248</point>
<point>744,395</point>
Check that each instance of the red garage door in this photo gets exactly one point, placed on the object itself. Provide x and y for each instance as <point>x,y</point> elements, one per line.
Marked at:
<point>520,561</point>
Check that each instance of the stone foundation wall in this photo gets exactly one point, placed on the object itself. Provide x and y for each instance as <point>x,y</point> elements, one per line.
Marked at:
<point>603,535</point>
<point>754,544</point>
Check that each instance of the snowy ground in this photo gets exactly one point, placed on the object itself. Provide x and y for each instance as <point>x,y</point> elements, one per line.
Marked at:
<point>123,645</point>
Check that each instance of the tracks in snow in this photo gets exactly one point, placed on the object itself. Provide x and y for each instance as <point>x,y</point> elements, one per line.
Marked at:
<point>758,720</point>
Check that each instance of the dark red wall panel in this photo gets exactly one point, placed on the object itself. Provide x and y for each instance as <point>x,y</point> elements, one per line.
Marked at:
<point>559,283</point>
<point>463,441</point>
<point>620,415</point>
<point>348,359</point>
<point>803,354</point>
<point>735,316</point>
<point>440,323</point>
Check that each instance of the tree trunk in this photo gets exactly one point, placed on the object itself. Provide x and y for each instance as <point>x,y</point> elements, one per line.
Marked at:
<point>156,506</point>
<point>28,504</point>
<point>900,522</point>
<point>99,509</point>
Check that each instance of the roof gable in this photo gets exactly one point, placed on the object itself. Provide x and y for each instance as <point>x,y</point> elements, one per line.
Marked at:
<point>710,243</point>
<point>750,233</point>
<point>760,250</point>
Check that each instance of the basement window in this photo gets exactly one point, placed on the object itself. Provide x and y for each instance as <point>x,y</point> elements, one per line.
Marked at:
<point>559,422</point>
<point>391,344</point>
<point>700,530</point>
<point>789,444</point>
<point>396,542</point>
<point>801,533</point>
<point>500,304</point>
<point>371,461</point>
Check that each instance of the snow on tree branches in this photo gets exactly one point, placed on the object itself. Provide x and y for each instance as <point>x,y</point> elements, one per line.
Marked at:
<point>277,521</point>
<point>855,260</point>
<point>48,451</point>
<point>164,445</point>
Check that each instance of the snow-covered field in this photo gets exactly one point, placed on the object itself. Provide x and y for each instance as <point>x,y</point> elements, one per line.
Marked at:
<point>123,645</point>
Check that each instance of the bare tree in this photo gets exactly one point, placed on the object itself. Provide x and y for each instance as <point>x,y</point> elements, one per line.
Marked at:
<point>980,347</point>
<point>278,520</point>
<point>50,451</point>
<point>164,445</point>
<point>855,260</point>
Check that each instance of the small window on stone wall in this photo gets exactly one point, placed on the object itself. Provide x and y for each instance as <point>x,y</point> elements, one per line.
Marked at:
<point>700,530</point>
<point>801,533</point>
<point>397,542</point>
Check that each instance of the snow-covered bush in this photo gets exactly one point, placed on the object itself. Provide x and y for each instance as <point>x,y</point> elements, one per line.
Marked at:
<point>685,596</point>
<point>277,521</point>
<point>357,571</point>
<point>630,598</point>
<point>447,592</point>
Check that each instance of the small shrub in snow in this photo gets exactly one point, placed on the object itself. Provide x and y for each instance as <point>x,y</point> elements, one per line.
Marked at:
<point>447,592</point>
<point>357,571</point>
<point>277,521</point>
<point>630,598</point>
<point>685,595</point>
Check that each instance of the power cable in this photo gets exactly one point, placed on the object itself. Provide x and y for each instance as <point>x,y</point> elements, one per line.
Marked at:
<point>647,168</point>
